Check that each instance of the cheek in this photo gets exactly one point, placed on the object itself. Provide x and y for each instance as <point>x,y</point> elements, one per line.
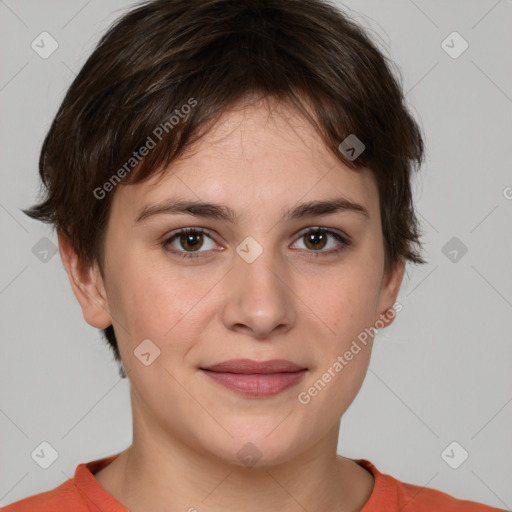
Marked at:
<point>168,305</point>
<point>344,304</point>
<point>345,301</point>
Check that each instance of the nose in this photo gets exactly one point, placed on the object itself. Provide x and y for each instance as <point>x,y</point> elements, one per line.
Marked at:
<point>259,298</point>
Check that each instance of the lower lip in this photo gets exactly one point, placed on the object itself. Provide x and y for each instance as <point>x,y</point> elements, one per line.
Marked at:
<point>257,385</point>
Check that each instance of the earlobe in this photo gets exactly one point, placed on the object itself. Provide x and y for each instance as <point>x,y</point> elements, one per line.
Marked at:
<point>389,292</point>
<point>87,285</point>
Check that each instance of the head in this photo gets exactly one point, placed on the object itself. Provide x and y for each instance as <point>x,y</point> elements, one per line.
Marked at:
<point>231,118</point>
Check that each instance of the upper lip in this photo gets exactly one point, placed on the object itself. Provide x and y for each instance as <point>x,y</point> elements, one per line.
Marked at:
<point>248,366</point>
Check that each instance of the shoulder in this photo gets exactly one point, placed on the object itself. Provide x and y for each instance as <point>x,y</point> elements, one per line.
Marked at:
<point>82,493</point>
<point>391,494</point>
<point>419,499</point>
<point>64,497</point>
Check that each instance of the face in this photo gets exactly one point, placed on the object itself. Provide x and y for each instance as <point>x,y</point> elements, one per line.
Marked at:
<point>258,276</point>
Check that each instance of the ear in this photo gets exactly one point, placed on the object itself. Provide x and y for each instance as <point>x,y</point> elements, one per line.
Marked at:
<point>87,285</point>
<point>390,286</point>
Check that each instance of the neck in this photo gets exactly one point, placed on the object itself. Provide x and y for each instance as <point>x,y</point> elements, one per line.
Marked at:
<point>160,471</point>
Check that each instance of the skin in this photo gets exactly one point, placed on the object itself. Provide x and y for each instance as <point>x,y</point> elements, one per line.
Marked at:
<point>295,301</point>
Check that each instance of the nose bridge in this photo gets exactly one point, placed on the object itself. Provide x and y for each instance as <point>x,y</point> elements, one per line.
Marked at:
<point>259,297</point>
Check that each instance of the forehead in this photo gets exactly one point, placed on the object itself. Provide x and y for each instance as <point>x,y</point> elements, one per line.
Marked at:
<point>257,155</point>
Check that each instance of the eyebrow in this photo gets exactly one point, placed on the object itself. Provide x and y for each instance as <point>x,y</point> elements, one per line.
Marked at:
<point>225,213</point>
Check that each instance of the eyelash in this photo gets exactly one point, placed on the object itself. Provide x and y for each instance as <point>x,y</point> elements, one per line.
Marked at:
<point>344,241</point>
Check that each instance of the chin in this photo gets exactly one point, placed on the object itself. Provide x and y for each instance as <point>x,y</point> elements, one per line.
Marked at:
<point>264,444</point>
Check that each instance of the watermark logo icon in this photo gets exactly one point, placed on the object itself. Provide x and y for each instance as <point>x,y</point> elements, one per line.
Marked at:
<point>249,249</point>
<point>147,352</point>
<point>454,455</point>
<point>351,147</point>
<point>249,455</point>
<point>454,45</point>
<point>454,249</point>
<point>44,250</point>
<point>44,455</point>
<point>44,45</point>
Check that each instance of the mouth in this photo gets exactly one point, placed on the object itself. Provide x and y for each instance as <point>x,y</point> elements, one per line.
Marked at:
<point>256,378</point>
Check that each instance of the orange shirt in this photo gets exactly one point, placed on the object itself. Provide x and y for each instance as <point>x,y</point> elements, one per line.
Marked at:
<point>83,493</point>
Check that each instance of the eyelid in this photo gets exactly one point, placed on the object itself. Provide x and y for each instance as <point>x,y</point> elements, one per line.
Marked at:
<point>343,239</point>
<point>168,238</point>
<point>338,232</point>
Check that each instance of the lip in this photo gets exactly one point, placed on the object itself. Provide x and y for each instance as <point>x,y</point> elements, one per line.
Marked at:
<point>256,378</point>
<point>248,366</point>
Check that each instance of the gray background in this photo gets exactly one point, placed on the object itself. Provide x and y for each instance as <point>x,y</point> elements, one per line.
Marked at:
<point>440,373</point>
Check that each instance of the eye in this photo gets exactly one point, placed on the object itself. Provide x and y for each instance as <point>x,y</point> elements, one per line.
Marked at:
<point>317,239</point>
<point>188,240</point>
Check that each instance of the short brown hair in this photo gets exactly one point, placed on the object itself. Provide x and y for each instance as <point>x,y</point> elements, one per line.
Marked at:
<point>208,54</point>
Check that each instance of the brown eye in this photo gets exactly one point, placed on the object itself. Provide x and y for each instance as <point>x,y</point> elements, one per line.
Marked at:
<point>191,241</point>
<point>315,240</point>
<point>185,242</point>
